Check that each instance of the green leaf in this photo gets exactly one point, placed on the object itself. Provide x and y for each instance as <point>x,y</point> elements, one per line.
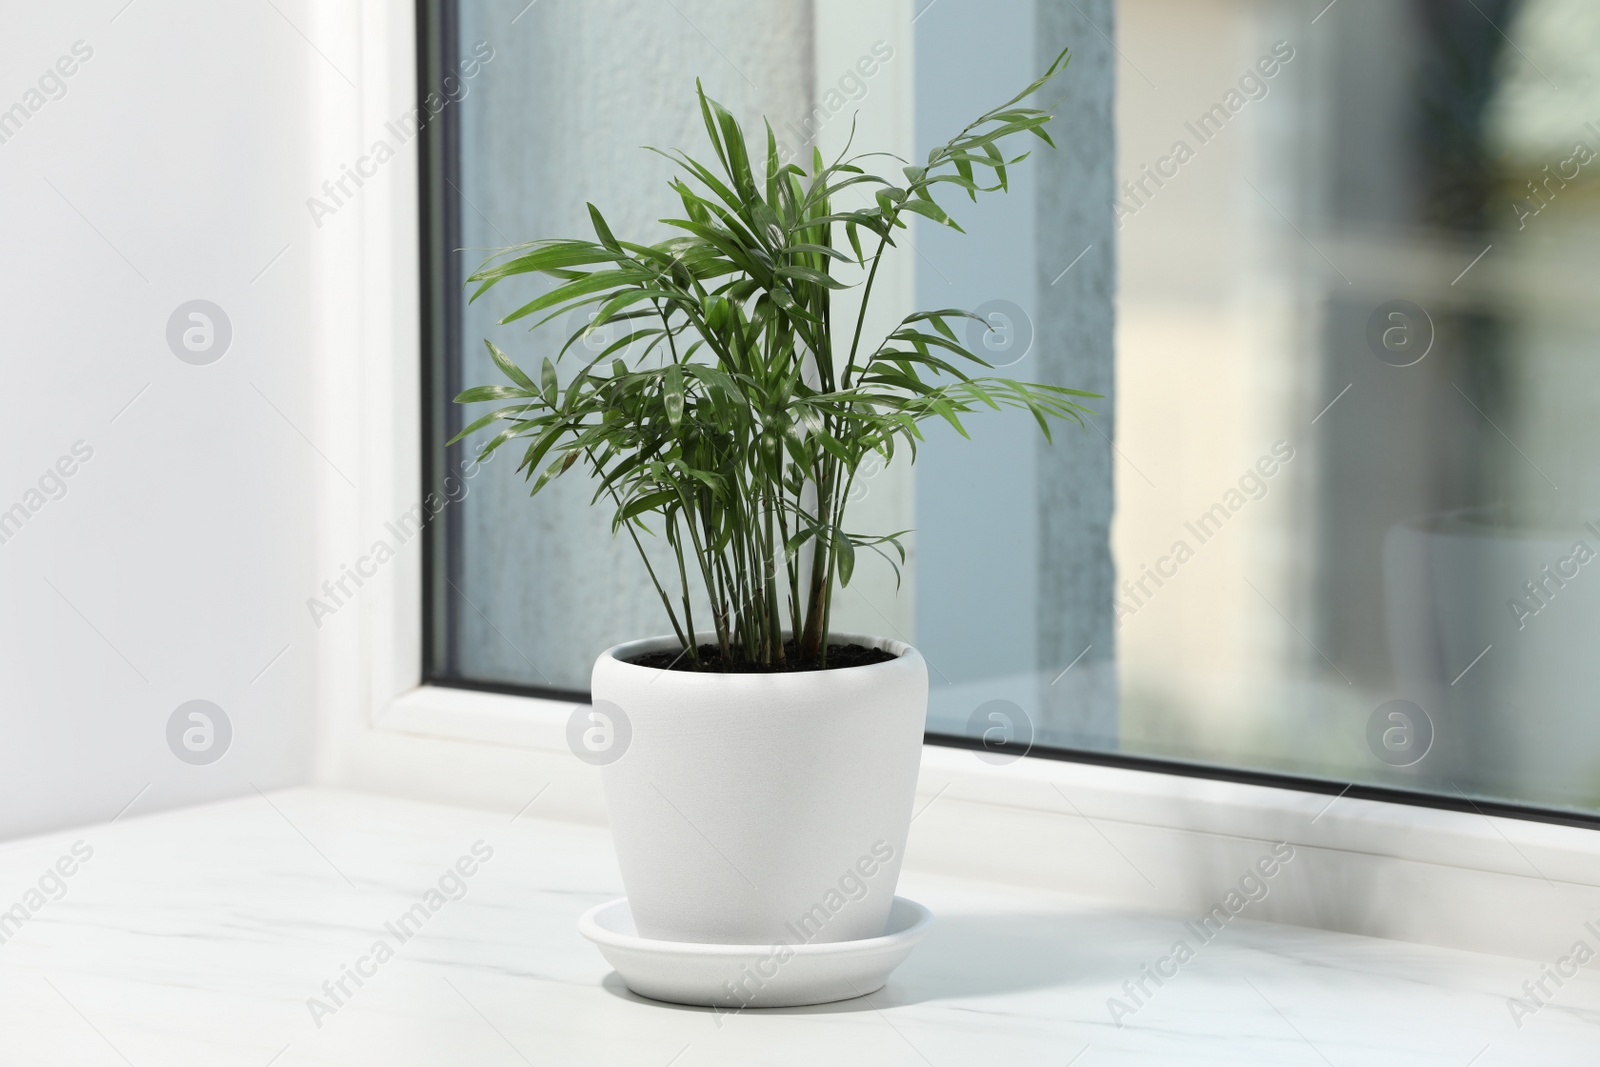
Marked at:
<point>928,209</point>
<point>847,559</point>
<point>599,281</point>
<point>492,392</point>
<point>649,502</point>
<point>811,274</point>
<point>498,415</point>
<point>601,230</point>
<point>547,380</point>
<point>507,367</point>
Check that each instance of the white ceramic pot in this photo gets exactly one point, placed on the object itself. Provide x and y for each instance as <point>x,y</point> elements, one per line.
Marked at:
<point>753,809</point>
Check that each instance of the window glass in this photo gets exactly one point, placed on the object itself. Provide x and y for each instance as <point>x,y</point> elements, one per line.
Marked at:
<point>1355,380</point>
<point>1337,515</point>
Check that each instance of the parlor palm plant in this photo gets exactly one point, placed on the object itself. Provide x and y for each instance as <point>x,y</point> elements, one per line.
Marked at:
<point>738,420</point>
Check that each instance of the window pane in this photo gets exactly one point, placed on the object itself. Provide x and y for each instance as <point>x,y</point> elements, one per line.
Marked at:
<point>558,119</point>
<point>1328,265</point>
<point>1355,376</point>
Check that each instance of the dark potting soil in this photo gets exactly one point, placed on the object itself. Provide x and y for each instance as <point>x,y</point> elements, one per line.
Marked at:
<point>839,657</point>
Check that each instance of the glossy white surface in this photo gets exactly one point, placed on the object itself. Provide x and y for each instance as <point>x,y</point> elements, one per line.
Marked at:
<point>197,937</point>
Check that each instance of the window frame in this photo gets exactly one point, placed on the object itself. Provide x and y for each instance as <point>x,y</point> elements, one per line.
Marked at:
<point>439,222</point>
<point>1075,825</point>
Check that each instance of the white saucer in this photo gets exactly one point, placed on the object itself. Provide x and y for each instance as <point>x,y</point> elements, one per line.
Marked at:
<point>753,976</point>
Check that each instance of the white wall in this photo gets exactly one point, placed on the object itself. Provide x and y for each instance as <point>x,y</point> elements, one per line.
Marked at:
<point>176,566</point>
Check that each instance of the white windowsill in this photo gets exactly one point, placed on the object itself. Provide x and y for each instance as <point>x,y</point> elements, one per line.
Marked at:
<point>1161,841</point>
<point>474,715</point>
<point>1006,975</point>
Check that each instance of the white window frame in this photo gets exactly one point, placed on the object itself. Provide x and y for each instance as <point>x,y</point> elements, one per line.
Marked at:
<point>1131,838</point>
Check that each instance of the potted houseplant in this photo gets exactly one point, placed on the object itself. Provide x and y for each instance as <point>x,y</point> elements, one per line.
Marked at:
<point>766,789</point>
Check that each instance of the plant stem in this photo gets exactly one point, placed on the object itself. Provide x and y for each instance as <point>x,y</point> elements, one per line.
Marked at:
<point>866,298</point>
<point>676,542</point>
<point>811,642</point>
